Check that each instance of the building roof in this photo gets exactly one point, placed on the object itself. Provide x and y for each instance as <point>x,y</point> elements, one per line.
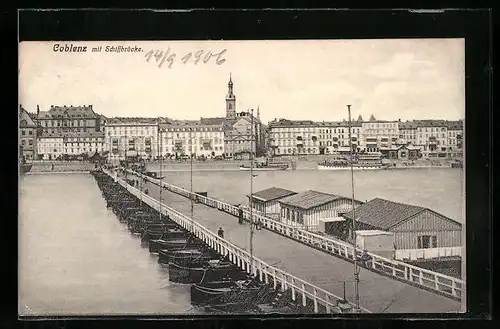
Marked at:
<point>93,134</point>
<point>431,123</point>
<point>32,116</point>
<point>25,120</point>
<point>131,120</point>
<point>292,123</point>
<point>272,193</point>
<point>414,124</point>
<point>384,214</point>
<point>342,124</point>
<point>408,125</point>
<point>455,125</point>
<point>68,111</point>
<point>217,121</point>
<point>310,199</point>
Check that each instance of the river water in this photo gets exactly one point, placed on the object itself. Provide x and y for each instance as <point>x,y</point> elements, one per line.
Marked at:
<point>440,189</point>
<point>76,258</point>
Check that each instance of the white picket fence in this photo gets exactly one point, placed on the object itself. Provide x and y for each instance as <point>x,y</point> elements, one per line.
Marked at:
<point>441,283</point>
<point>265,272</point>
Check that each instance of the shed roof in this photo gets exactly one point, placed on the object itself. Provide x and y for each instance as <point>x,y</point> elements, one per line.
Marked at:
<point>310,199</point>
<point>272,193</point>
<point>372,232</point>
<point>384,214</point>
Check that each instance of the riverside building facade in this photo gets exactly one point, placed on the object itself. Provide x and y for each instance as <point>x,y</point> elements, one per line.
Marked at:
<point>27,135</point>
<point>427,138</point>
<point>379,134</point>
<point>50,146</point>
<point>56,146</point>
<point>289,137</point>
<point>439,138</point>
<point>124,138</point>
<point>196,138</point>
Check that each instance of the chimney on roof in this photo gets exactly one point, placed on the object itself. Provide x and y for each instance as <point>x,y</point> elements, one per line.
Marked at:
<point>51,106</point>
<point>399,120</point>
<point>37,110</point>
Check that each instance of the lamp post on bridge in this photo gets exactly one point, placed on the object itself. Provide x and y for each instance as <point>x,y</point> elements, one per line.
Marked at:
<point>356,267</point>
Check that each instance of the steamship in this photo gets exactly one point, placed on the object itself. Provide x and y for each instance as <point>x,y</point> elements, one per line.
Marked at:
<point>359,162</point>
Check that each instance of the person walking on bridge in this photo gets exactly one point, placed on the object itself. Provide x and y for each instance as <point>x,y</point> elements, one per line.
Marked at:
<point>220,232</point>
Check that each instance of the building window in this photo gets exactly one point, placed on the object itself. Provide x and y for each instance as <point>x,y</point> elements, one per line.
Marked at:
<point>427,241</point>
<point>23,132</point>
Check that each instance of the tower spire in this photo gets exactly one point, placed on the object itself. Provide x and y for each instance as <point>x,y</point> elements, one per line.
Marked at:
<point>230,87</point>
<point>230,100</point>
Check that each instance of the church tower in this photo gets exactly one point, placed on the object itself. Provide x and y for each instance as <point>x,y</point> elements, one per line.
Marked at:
<point>230,101</point>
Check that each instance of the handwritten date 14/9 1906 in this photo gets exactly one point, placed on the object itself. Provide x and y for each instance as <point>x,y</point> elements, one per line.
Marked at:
<point>161,56</point>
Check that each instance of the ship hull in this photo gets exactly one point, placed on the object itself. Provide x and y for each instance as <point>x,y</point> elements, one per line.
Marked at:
<point>196,273</point>
<point>221,293</point>
<point>323,167</point>
<point>264,169</point>
<point>184,256</point>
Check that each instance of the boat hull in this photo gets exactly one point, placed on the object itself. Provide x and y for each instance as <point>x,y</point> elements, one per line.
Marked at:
<point>156,245</point>
<point>184,256</point>
<point>204,272</point>
<point>157,231</point>
<point>220,293</point>
<point>323,167</point>
<point>264,169</point>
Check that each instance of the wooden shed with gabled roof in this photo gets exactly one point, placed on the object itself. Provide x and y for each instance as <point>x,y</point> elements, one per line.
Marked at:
<point>305,209</point>
<point>414,227</point>
<point>267,201</point>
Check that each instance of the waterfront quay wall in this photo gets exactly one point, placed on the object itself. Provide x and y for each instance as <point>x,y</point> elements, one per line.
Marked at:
<point>61,166</point>
<point>320,300</point>
<point>426,279</point>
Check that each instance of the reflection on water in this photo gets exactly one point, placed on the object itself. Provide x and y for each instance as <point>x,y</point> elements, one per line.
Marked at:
<point>75,257</point>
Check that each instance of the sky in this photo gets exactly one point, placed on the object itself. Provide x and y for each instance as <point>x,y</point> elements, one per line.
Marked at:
<point>298,79</point>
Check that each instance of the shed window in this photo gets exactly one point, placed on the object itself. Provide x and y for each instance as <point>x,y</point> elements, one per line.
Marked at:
<point>427,241</point>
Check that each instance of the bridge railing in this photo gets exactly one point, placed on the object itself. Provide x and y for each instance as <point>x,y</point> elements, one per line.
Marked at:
<point>441,283</point>
<point>428,253</point>
<point>300,289</point>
